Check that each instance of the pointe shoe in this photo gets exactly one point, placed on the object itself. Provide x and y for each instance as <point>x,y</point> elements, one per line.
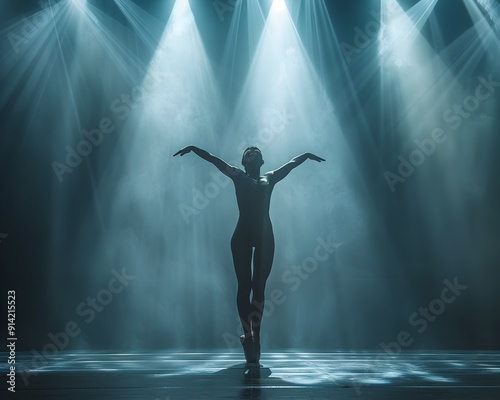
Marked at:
<point>248,348</point>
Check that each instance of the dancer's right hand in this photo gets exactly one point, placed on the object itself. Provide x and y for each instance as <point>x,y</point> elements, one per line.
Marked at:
<point>185,150</point>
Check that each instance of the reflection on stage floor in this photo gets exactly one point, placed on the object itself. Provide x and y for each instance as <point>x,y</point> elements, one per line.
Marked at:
<point>286,374</point>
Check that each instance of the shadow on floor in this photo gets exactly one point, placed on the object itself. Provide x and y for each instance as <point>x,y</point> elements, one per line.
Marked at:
<point>252,381</point>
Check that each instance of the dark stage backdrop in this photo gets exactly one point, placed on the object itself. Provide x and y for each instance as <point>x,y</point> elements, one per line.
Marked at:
<point>111,243</point>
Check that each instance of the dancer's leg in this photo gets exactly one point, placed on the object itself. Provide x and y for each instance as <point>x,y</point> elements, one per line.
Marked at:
<point>242,259</point>
<point>262,263</point>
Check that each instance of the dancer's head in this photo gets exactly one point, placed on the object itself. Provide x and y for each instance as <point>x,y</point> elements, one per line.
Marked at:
<point>252,158</point>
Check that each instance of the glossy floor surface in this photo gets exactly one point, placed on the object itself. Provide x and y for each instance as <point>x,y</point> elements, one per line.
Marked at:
<point>282,375</point>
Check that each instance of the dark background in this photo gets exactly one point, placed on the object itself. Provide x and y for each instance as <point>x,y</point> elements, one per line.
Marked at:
<point>42,222</point>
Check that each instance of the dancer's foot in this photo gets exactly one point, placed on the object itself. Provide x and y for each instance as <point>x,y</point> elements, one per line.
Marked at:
<point>248,348</point>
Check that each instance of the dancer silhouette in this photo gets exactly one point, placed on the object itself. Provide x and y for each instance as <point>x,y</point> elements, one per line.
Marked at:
<point>253,233</point>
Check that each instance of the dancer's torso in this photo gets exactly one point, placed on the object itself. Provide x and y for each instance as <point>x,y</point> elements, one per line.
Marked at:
<point>254,198</point>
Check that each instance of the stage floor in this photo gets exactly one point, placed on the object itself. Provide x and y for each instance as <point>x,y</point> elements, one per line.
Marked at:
<point>283,375</point>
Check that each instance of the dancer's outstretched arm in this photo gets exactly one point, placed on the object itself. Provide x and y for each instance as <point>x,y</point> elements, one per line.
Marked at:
<point>223,166</point>
<point>278,174</point>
